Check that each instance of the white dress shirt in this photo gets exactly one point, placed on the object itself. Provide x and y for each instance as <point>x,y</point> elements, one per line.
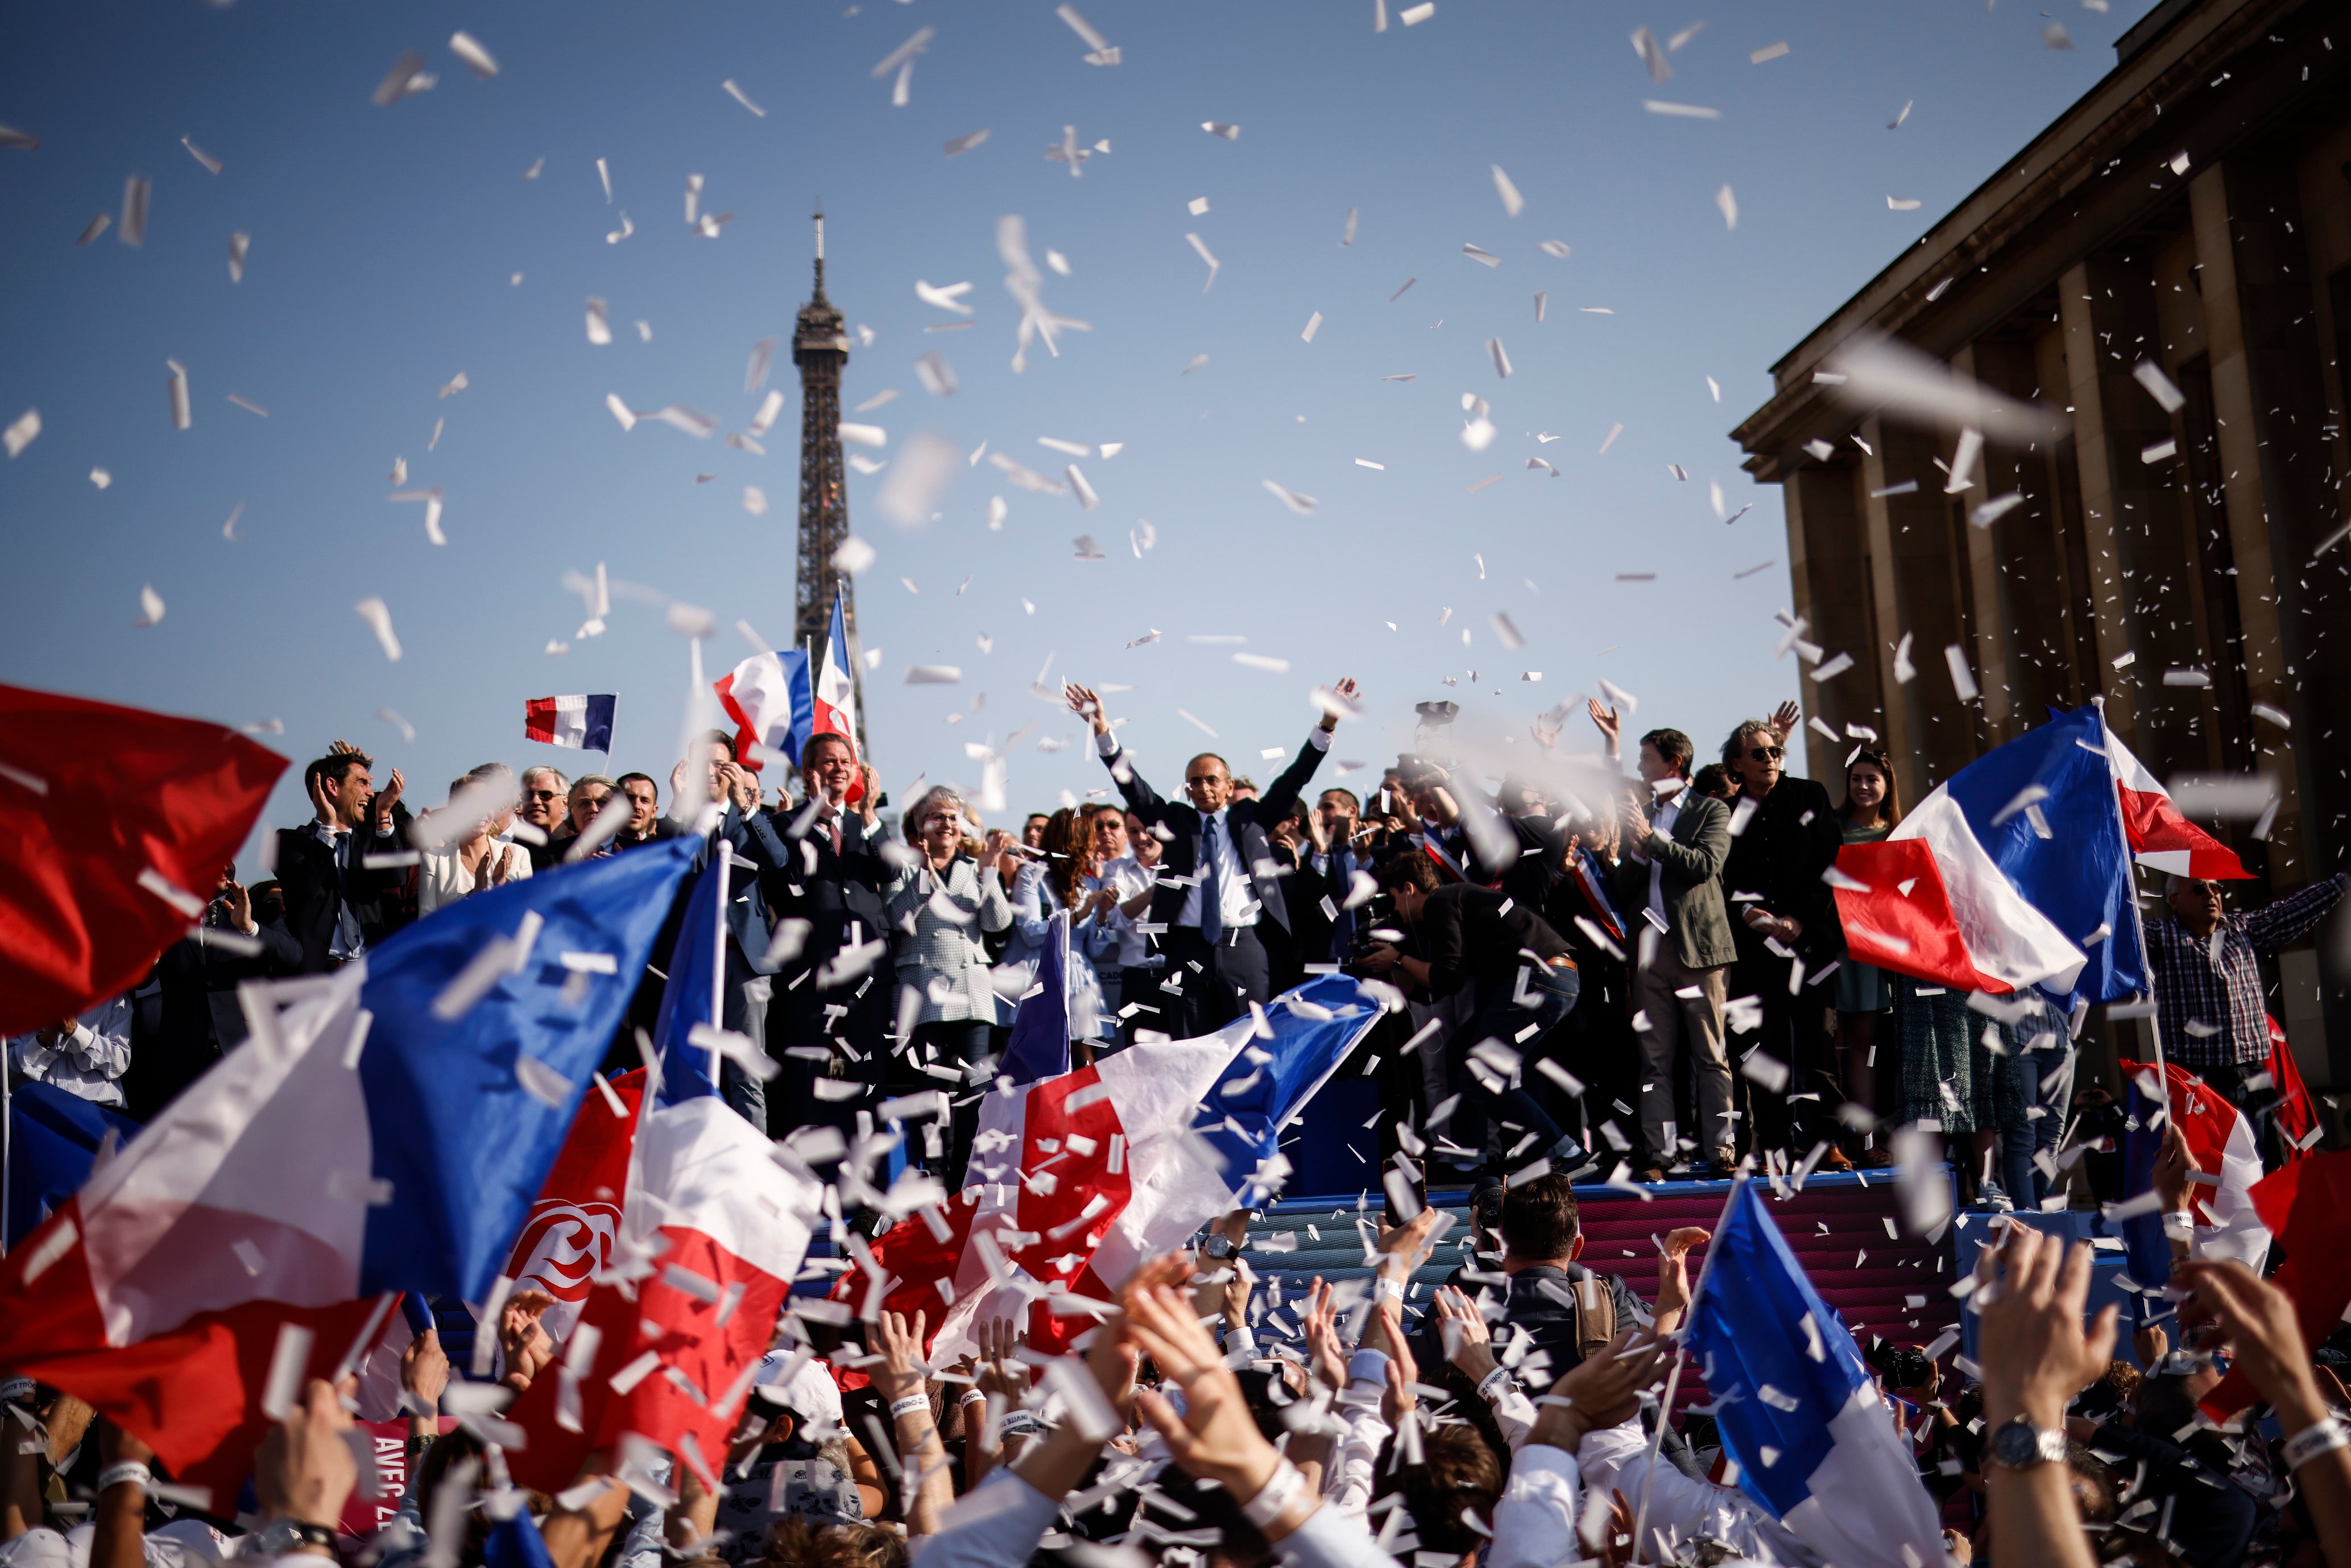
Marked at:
<point>90,1061</point>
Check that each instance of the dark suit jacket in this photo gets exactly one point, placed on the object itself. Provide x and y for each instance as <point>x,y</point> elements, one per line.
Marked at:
<point>807,878</point>
<point>1693,859</point>
<point>198,1019</point>
<point>316,887</point>
<point>1791,840</point>
<point>1245,820</point>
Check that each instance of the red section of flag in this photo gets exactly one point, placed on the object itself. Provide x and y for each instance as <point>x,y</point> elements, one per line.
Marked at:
<point>2307,1207</point>
<point>195,1394</point>
<point>1911,929</point>
<point>2296,1117</point>
<point>1073,1187</point>
<point>2153,827</point>
<point>91,797</point>
<point>692,1389</point>
<point>538,719</point>
<point>569,1234</point>
<point>914,1256</point>
<point>2204,1120</point>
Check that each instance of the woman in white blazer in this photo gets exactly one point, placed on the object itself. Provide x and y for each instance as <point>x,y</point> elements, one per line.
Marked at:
<point>476,862</point>
<point>940,902</point>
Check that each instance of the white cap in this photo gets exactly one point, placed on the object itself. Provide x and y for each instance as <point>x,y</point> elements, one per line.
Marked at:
<point>807,1391</point>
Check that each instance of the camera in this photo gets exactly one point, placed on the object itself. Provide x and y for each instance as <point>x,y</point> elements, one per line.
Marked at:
<point>1901,1366</point>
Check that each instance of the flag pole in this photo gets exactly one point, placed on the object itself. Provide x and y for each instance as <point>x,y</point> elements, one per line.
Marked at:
<point>8,1154</point>
<point>718,950</point>
<point>2130,880</point>
<point>1674,1378</point>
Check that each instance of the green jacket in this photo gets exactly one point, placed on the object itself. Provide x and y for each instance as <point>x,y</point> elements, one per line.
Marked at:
<point>1692,884</point>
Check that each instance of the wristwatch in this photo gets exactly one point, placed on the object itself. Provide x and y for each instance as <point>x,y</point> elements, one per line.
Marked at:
<point>2019,1445</point>
<point>281,1536</point>
<point>1218,1246</point>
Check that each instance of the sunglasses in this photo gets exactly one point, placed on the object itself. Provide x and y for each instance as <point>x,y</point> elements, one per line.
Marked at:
<point>1765,753</point>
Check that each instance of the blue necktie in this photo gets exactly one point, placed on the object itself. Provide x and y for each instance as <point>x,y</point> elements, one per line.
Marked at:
<point>1212,883</point>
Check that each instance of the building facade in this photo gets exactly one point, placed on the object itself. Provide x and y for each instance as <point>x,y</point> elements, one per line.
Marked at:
<point>2174,546</point>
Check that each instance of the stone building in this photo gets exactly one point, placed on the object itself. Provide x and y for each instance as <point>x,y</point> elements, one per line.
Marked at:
<point>2177,551</point>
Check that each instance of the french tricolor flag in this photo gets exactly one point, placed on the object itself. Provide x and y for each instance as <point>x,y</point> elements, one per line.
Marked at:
<point>583,723</point>
<point>768,698</point>
<point>2015,873</point>
<point>1079,1179</point>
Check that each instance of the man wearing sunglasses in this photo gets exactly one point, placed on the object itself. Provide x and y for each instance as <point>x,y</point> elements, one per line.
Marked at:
<point>1784,835</point>
<point>2208,977</point>
<point>1216,884</point>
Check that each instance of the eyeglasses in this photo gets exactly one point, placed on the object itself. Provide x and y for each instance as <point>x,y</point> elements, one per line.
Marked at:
<point>1198,780</point>
<point>544,794</point>
<point>1765,753</point>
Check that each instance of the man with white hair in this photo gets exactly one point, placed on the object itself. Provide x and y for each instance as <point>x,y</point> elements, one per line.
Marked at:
<point>2208,979</point>
<point>545,806</point>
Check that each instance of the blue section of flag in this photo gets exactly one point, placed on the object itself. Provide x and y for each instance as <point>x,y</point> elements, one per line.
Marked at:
<point>2080,876</point>
<point>1269,1082</point>
<point>1039,1047</point>
<point>2147,1249</point>
<point>463,1145</point>
<point>515,1542</point>
<point>797,677</point>
<point>1747,1328</point>
<point>598,718</point>
<point>53,1141</point>
<point>689,1070</point>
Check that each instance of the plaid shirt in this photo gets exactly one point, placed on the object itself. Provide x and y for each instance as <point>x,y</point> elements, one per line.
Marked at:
<point>2208,991</point>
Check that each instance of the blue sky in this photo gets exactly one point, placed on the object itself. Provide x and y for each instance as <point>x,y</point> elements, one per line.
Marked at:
<point>385,243</point>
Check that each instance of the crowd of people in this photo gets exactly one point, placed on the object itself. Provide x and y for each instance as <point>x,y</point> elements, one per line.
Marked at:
<point>1648,989</point>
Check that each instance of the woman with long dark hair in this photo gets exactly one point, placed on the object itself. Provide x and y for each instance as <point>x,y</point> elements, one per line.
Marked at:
<point>1873,806</point>
<point>1069,878</point>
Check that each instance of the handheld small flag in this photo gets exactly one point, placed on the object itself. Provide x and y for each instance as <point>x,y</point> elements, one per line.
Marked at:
<point>582,723</point>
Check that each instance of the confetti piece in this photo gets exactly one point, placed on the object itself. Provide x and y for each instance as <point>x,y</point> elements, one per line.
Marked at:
<point>1217,127</point>
<point>965,144</point>
<point>1727,205</point>
<point>247,404</point>
<point>1512,203</point>
<point>133,229</point>
<point>468,48</point>
<point>1348,237</point>
<point>1902,204</point>
<point>150,607</point>
<point>406,77</point>
<point>101,477</point>
<point>1768,52</point>
<point>1501,357</point>
<point>97,225</point>
<point>1895,123</point>
<point>239,244</point>
<point>1291,498</point>
<point>181,416</point>
<point>211,163</point>
<point>932,675</point>
<point>740,96</point>
<point>20,434</point>
<point>1413,16</point>
<point>1483,257</point>
<point>1680,110</point>
<point>378,615</point>
<point>23,142</point>
<point>1214,264</point>
<point>2158,386</point>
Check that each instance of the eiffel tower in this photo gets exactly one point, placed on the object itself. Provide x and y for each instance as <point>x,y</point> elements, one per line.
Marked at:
<point>820,348</point>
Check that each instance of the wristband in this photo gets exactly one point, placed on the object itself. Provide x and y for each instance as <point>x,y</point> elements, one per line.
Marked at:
<point>973,1396</point>
<point>909,1404</point>
<point>127,1471</point>
<point>2321,1437</point>
<point>1392,1289</point>
<point>1019,1423</point>
<point>18,1388</point>
<point>1490,1386</point>
<point>1282,1486</point>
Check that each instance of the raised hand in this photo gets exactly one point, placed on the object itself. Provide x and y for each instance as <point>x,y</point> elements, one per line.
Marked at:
<point>901,1371</point>
<point>1783,720</point>
<point>2036,1352</point>
<point>425,1372</point>
<point>1087,706</point>
<point>305,1470</point>
<point>1602,1390</point>
<point>1604,720</point>
<point>1324,1353</point>
<point>527,1346</point>
<point>1468,1342</point>
<point>1673,1274</point>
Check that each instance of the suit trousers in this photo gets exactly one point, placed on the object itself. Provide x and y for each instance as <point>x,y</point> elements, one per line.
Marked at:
<point>1679,1024</point>
<point>1232,973</point>
<point>745,1013</point>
